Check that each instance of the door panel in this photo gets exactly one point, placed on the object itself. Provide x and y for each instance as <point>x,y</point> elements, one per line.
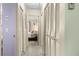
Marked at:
<point>53,42</point>
<point>8,27</point>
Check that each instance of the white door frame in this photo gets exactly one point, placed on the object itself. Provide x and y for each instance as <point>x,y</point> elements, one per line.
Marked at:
<point>19,31</point>
<point>21,22</point>
<point>59,18</point>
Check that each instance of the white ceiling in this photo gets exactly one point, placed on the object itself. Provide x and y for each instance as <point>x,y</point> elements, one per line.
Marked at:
<point>33,5</point>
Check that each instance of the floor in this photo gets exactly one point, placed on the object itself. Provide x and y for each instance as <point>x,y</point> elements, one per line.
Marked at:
<point>34,50</point>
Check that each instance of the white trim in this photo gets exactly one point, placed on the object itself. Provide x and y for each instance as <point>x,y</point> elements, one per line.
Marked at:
<point>60,17</point>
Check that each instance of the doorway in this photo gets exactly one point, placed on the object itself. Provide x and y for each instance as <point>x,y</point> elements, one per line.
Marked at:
<point>32,28</point>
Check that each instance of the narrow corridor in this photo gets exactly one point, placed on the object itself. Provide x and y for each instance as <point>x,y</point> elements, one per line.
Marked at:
<point>36,29</point>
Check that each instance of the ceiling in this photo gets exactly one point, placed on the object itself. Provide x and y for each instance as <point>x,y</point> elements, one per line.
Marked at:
<point>33,5</point>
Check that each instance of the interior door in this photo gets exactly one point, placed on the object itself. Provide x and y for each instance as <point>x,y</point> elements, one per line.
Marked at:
<point>8,28</point>
<point>54,33</point>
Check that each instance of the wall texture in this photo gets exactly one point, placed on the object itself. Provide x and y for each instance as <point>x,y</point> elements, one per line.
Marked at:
<point>71,31</point>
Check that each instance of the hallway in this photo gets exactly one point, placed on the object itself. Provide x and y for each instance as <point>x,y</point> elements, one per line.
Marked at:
<point>38,29</point>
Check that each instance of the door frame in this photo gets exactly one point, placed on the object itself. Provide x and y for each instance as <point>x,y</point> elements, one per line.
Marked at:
<point>19,50</point>
<point>60,15</point>
<point>22,30</point>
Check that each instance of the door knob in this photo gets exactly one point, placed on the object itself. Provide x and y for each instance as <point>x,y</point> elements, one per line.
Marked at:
<point>13,35</point>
